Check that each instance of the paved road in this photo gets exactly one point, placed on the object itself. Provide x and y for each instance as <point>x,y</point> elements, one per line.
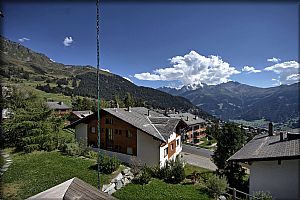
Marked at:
<point>198,156</point>
<point>197,151</point>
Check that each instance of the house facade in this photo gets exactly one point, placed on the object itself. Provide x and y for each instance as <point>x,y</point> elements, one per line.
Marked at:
<point>59,107</point>
<point>195,129</point>
<point>134,133</point>
<point>274,163</point>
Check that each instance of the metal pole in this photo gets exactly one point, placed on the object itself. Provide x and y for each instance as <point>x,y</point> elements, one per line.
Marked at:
<point>98,94</point>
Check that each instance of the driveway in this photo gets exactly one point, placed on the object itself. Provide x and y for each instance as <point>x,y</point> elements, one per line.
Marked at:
<point>198,157</point>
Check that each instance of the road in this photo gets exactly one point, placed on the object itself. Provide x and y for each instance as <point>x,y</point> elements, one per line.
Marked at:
<point>198,157</point>
<point>197,151</point>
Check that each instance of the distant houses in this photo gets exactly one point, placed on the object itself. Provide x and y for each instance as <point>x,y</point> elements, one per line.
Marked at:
<point>274,163</point>
<point>59,107</point>
<point>195,129</point>
<point>133,133</point>
<point>76,115</point>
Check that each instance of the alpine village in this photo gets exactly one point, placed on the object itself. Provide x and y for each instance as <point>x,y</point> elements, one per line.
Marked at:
<point>83,132</point>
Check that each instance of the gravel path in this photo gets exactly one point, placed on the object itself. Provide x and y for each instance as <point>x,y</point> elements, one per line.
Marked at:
<point>7,162</point>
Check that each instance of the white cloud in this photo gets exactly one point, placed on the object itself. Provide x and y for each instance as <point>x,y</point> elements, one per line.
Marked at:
<point>106,70</point>
<point>193,68</point>
<point>250,69</point>
<point>128,79</point>
<point>23,39</point>
<point>68,41</point>
<point>288,72</point>
<point>274,60</point>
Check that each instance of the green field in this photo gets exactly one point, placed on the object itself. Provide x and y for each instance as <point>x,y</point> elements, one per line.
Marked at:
<point>35,172</point>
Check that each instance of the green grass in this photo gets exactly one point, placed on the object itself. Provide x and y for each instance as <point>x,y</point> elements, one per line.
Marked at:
<point>158,189</point>
<point>33,173</point>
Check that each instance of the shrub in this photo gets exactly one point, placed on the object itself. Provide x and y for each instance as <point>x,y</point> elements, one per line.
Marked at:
<point>216,185</point>
<point>144,178</point>
<point>135,165</point>
<point>173,171</point>
<point>263,195</point>
<point>71,149</point>
<point>92,155</point>
<point>108,164</point>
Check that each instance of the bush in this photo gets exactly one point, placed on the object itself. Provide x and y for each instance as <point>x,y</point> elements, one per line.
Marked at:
<point>216,185</point>
<point>173,171</point>
<point>144,178</point>
<point>263,195</point>
<point>136,166</point>
<point>71,149</point>
<point>108,164</point>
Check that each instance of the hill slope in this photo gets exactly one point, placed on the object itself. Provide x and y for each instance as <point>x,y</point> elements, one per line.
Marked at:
<point>234,100</point>
<point>19,62</point>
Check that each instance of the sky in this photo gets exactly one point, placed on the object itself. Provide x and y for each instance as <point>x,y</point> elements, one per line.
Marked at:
<point>166,44</point>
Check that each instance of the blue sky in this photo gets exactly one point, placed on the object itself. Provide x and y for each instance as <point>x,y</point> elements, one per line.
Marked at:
<point>139,39</point>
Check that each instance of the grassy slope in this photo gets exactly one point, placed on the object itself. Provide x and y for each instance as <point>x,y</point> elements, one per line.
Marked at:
<point>32,173</point>
<point>158,189</point>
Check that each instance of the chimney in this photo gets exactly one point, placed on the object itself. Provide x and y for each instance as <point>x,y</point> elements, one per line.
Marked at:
<point>196,117</point>
<point>60,103</point>
<point>129,109</point>
<point>270,129</point>
<point>187,118</point>
<point>281,136</point>
<point>148,114</point>
<point>118,106</point>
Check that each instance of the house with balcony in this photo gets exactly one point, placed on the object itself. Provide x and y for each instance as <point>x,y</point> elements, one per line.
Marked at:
<point>59,107</point>
<point>133,133</point>
<point>195,129</point>
<point>274,163</point>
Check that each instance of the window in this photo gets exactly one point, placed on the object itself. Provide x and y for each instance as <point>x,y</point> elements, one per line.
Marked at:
<point>120,132</point>
<point>109,133</point>
<point>93,129</point>
<point>165,152</point>
<point>116,131</point>
<point>128,134</point>
<point>129,150</point>
<point>177,142</point>
<point>172,146</point>
<point>108,121</point>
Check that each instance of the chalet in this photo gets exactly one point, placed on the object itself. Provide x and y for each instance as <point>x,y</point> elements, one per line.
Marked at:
<point>274,163</point>
<point>76,115</point>
<point>59,107</point>
<point>133,133</point>
<point>195,129</point>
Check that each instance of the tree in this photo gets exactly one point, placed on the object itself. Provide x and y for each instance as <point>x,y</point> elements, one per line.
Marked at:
<point>74,83</point>
<point>216,185</point>
<point>230,140</point>
<point>129,101</point>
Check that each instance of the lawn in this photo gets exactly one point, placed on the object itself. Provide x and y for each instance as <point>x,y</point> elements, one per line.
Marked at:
<point>158,189</point>
<point>32,173</point>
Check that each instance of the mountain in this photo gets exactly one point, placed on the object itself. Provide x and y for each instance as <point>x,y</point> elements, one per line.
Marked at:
<point>233,100</point>
<point>21,63</point>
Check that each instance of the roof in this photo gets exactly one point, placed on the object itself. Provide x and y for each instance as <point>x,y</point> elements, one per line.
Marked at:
<point>82,113</point>
<point>156,124</point>
<point>72,189</point>
<point>264,147</point>
<point>57,105</point>
<point>192,119</point>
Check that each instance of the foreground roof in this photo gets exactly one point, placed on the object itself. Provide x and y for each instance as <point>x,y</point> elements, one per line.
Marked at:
<point>57,105</point>
<point>156,124</point>
<point>72,189</point>
<point>188,118</point>
<point>264,147</point>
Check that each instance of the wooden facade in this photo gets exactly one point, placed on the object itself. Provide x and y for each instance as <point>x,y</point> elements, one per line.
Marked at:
<point>115,135</point>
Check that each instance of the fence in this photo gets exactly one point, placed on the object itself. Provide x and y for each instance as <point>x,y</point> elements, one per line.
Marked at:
<point>239,195</point>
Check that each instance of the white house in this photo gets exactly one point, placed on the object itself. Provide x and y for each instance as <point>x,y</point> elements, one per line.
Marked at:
<point>132,133</point>
<point>274,162</point>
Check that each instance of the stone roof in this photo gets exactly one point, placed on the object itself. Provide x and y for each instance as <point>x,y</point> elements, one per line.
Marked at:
<point>58,105</point>
<point>156,124</point>
<point>265,147</point>
<point>188,118</point>
<point>82,113</point>
<point>72,189</point>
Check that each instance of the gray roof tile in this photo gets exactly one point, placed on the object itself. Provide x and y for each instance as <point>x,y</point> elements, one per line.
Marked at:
<point>264,147</point>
